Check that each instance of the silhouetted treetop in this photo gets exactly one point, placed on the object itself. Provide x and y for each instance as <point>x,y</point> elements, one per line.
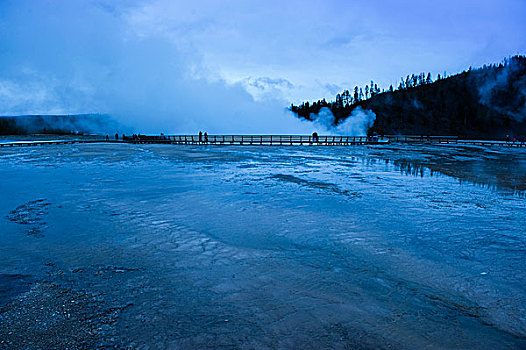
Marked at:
<point>488,102</point>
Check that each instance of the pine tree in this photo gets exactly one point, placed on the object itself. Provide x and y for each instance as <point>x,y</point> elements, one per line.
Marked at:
<point>428,79</point>
<point>414,80</point>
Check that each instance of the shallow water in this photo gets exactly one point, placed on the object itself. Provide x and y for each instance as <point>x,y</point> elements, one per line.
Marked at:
<point>274,247</point>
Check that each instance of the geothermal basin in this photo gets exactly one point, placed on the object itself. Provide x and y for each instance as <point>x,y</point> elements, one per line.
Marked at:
<point>193,247</point>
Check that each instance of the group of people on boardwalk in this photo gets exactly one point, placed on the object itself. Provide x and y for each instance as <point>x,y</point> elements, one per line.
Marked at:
<point>116,137</point>
<point>203,138</point>
<point>133,137</point>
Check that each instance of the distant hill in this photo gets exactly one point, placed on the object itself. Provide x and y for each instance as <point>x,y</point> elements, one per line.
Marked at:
<point>488,102</point>
<point>57,124</point>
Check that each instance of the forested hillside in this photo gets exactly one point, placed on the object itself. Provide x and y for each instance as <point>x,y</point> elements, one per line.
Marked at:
<point>488,102</point>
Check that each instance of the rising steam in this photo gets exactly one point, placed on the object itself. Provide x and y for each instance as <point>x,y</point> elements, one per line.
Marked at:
<point>509,81</point>
<point>357,124</point>
<point>107,62</point>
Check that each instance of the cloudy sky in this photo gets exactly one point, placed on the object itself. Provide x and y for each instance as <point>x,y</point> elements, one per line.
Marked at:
<point>233,66</point>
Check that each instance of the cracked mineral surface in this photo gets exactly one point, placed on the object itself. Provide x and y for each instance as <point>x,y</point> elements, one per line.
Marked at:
<point>161,247</point>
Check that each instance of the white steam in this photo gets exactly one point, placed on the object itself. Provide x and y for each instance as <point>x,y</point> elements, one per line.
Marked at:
<point>356,124</point>
<point>104,64</point>
<point>509,77</point>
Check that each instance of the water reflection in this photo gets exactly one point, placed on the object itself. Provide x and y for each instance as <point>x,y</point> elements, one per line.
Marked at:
<point>321,247</point>
<point>501,171</point>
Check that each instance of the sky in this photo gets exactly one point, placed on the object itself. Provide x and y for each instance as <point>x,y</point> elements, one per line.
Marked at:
<point>233,66</point>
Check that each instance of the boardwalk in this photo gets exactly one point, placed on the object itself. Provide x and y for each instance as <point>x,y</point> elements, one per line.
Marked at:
<point>262,140</point>
<point>239,140</point>
<point>272,140</point>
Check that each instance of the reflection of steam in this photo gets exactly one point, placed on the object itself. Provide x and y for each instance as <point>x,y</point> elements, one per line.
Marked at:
<point>357,124</point>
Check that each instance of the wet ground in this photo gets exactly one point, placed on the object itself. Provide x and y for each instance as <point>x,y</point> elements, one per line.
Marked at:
<point>160,246</point>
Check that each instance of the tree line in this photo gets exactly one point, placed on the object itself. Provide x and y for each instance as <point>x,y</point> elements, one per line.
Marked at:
<point>487,102</point>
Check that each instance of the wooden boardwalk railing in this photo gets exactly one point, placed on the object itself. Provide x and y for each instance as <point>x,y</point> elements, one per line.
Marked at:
<point>452,139</point>
<point>261,140</point>
<point>272,140</point>
<point>419,138</point>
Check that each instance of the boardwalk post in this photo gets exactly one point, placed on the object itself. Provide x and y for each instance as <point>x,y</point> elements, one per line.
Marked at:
<point>271,140</point>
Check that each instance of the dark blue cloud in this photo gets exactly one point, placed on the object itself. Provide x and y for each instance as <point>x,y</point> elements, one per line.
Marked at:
<point>164,64</point>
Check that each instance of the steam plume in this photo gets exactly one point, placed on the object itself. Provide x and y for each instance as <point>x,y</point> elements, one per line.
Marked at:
<point>357,124</point>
